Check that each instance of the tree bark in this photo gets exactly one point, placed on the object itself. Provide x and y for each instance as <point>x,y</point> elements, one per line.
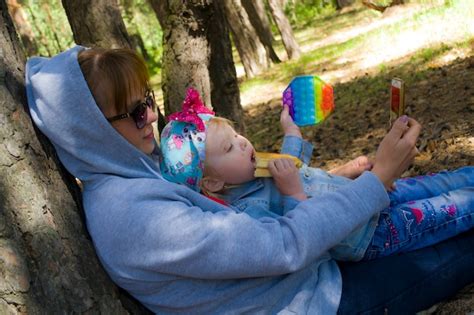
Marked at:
<point>259,20</point>
<point>340,4</point>
<point>225,94</point>
<point>161,10</point>
<point>23,27</point>
<point>291,45</point>
<point>197,53</point>
<point>97,23</point>
<point>47,261</point>
<point>251,50</point>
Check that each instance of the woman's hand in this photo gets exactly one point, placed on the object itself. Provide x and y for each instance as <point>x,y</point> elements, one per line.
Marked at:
<point>287,178</point>
<point>287,123</point>
<point>397,150</point>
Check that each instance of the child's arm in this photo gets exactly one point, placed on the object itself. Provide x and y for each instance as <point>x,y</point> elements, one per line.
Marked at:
<point>287,178</point>
<point>293,143</point>
<point>353,168</point>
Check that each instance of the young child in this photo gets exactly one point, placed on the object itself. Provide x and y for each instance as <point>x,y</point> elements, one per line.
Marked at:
<point>205,153</point>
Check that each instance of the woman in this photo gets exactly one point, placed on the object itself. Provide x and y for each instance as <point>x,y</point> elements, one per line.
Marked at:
<point>179,252</point>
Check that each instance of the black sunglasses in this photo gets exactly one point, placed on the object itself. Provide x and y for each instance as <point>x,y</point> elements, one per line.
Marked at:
<point>139,113</point>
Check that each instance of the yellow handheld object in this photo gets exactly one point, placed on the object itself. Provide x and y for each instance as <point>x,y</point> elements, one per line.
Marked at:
<point>262,159</point>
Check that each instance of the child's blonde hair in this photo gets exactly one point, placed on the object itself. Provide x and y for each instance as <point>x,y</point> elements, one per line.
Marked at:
<point>216,122</point>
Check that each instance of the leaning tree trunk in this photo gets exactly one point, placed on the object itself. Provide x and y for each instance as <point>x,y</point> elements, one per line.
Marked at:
<point>100,24</point>
<point>225,94</point>
<point>195,47</point>
<point>47,262</point>
<point>259,20</point>
<point>161,10</point>
<point>251,50</point>
<point>291,45</point>
<point>97,23</point>
<point>23,27</point>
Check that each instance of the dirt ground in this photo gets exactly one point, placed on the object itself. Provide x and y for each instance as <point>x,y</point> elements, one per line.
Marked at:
<point>441,98</point>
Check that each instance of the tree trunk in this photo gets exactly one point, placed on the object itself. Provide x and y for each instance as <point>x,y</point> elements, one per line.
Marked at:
<point>161,10</point>
<point>291,46</point>
<point>225,94</point>
<point>47,262</point>
<point>23,27</point>
<point>340,4</point>
<point>251,50</point>
<point>100,24</point>
<point>259,20</point>
<point>97,23</point>
<point>197,53</point>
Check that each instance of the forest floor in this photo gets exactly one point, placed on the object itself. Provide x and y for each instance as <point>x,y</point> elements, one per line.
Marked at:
<point>436,60</point>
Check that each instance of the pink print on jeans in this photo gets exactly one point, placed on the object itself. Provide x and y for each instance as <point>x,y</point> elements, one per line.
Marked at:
<point>418,214</point>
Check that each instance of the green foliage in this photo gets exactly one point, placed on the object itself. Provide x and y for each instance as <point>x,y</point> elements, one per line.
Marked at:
<point>49,25</point>
<point>140,19</point>
<point>302,13</point>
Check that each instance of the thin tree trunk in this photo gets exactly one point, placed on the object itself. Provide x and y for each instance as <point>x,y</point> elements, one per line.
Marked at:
<point>100,24</point>
<point>340,4</point>
<point>47,262</point>
<point>251,50</point>
<point>23,27</point>
<point>196,52</point>
<point>259,20</point>
<point>97,23</point>
<point>291,45</point>
<point>225,94</point>
<point>161,10</point>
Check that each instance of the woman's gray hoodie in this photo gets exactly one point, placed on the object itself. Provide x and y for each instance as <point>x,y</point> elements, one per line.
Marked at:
<point>175,250</point>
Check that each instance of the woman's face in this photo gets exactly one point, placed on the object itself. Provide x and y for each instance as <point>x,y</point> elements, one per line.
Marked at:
<point>143,138</point>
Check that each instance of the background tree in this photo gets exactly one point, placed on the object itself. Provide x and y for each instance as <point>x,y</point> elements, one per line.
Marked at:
<point>225,94</point>
<point>251,50</point>
<point>47,262</point>
<point>259,20</point>
<point>194,34</point>
<point>161,10</point>
<point>23,27</point>
<point>97,23</point>
<point>343,3</point>
<point>289,41</point>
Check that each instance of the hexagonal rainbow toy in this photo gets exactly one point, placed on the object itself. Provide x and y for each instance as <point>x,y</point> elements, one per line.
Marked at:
<point>310,100</point>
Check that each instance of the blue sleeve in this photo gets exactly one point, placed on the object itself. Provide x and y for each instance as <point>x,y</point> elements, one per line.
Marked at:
<point>297,147</point>
<point>289,203</point>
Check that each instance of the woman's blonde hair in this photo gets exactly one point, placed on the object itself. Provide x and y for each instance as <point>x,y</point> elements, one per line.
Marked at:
<point>114,76</point>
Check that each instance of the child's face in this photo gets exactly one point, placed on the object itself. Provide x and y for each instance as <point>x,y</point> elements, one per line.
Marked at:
<point>231,156</point>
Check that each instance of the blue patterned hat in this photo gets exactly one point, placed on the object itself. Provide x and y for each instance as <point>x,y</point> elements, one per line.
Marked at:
<point>183,142</point>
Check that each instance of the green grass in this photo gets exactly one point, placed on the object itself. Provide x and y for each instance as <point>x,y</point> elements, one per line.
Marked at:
<point>331,23</point>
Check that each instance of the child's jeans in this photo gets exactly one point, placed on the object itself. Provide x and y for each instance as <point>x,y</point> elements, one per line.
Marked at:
<point>424,210</point>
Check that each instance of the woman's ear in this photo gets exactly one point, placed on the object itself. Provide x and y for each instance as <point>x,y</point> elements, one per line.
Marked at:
<point>212,184</point>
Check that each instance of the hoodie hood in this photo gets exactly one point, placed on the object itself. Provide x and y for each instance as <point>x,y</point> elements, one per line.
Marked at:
<point>64,109</point>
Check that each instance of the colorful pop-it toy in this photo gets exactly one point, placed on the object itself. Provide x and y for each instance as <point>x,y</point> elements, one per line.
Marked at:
<point>310,100</point>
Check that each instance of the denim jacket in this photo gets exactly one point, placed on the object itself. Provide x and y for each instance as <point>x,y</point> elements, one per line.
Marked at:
<point>257,197</point>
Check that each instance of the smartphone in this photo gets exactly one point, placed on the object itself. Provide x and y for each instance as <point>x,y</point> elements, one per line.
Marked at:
<point>397,99</point>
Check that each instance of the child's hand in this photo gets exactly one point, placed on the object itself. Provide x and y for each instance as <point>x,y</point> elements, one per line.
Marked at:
<point>287,124</point>
<point>287,178</point>
<point>353,168</point>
